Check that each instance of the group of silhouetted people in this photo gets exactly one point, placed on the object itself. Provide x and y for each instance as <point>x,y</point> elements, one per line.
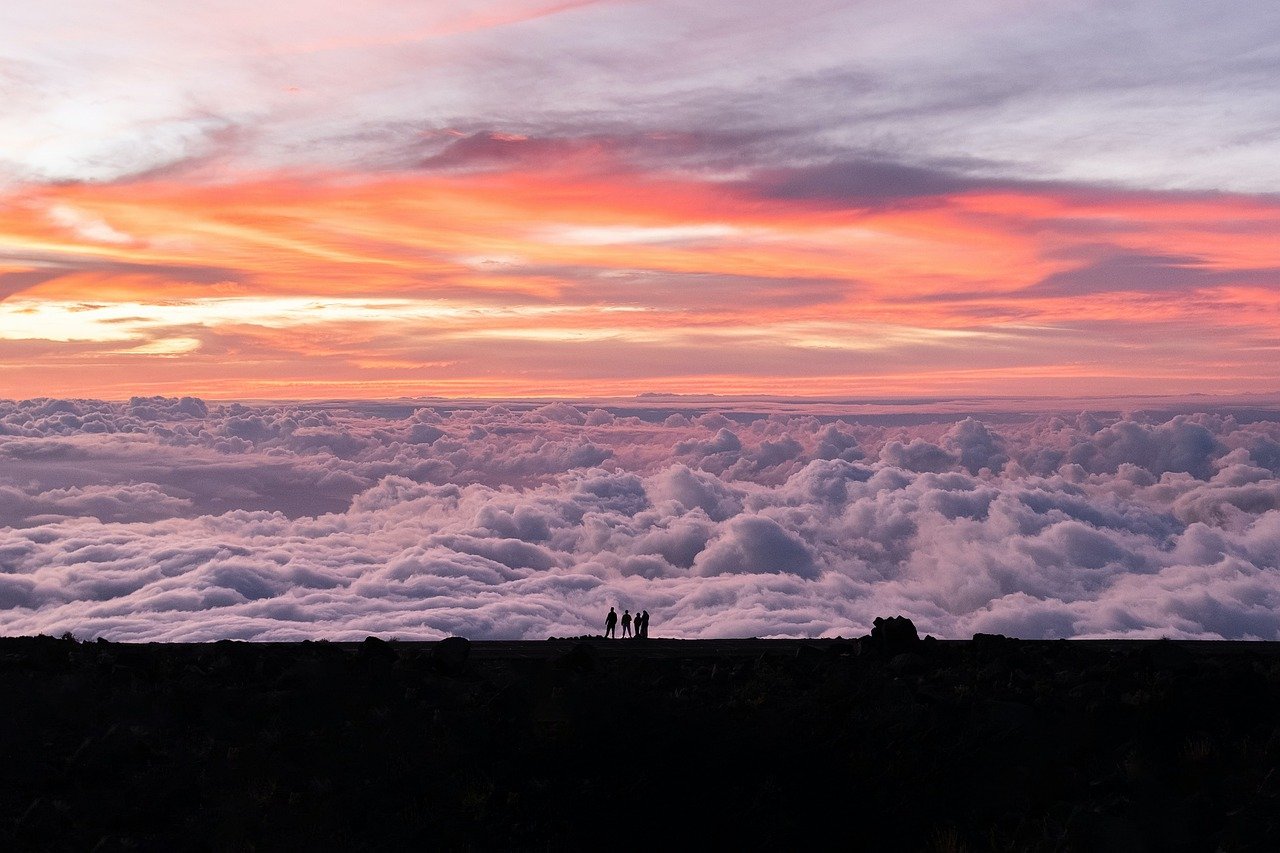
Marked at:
<point>640,624</point>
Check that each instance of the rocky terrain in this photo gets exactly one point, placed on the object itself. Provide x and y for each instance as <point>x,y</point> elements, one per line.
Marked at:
<point>887,741</point>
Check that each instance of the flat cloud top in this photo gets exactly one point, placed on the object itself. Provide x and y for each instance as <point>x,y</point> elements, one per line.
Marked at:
<point>175,519</point>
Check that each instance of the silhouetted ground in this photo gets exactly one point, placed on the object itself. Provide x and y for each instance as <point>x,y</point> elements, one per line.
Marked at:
<point>575,744</point>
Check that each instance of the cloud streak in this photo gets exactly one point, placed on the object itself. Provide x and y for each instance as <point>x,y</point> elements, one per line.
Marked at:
<point>611,280</point>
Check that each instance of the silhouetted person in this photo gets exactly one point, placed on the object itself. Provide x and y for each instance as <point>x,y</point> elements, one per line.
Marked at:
<point>626,623</point>
<point>610,623</point>
<point>643,630</point>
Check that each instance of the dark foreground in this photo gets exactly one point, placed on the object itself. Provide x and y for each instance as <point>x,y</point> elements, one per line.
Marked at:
<point>983,744</point>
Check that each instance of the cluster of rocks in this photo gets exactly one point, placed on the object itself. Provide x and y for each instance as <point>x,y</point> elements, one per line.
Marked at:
<point>884,740</point>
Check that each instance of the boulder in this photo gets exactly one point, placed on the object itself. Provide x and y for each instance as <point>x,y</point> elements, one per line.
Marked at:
<point>891,636</point>
<point>450,655</point>
<point>375,650</point>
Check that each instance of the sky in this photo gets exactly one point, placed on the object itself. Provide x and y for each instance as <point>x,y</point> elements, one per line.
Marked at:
<point>571,198</point>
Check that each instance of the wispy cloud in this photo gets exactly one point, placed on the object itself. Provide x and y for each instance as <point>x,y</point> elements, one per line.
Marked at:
<point>611,280</point>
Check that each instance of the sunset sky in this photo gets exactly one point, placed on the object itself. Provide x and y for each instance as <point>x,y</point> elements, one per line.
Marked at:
<point>565,197</point>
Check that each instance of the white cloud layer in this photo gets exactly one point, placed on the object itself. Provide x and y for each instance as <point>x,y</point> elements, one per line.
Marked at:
<point>173,519</point>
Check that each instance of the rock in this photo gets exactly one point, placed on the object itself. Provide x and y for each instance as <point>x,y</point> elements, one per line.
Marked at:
<point>988,647</point>
<point>982,640</point>
<point>450,655</point>
<point>893,635</point>
<point>374,650</point>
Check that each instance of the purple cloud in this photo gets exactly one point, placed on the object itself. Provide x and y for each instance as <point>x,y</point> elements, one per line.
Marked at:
<point>176,519</point>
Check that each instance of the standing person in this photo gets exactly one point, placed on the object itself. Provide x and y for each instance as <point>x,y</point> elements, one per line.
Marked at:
<point>644,625</point>
<point>626,623</point>
<point>610,622</point>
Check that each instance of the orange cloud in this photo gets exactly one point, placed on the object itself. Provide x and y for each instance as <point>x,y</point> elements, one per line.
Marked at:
<point>610,280</point>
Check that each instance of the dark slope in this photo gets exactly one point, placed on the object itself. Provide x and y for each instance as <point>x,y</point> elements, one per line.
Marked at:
<point>987,744</point>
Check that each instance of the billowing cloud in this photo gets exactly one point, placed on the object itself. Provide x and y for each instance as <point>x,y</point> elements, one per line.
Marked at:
<point>179,519</point>
<point>753,544</point>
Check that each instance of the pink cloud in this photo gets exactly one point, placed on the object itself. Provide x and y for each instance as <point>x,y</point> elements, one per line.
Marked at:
<point>1171,529</point>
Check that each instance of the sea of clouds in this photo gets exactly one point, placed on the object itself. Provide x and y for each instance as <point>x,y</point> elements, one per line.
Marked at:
<point>165,519</point>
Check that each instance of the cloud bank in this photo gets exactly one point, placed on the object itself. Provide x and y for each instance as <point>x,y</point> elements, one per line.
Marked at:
<point>172,519</point>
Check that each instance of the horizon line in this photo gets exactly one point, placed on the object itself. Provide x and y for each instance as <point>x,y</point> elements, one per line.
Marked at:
<point>658,396</point>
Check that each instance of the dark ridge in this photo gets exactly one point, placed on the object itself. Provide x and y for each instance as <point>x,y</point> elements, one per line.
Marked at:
<point>888,741</point>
